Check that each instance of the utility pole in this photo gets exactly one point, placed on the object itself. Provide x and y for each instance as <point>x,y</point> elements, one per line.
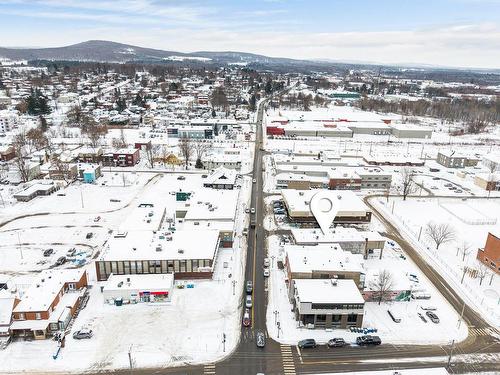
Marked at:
<point>420,233</point>
<point>451,353</point>
<point>224,342</point>
<point>463,275</point>
<point>81,196</point>
<point>234,284</point>
<point>130,357</point>
<point>461,316</point>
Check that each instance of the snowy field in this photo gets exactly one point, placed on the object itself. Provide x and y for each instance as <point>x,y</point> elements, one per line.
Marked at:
<point>411,330</point>
<point>413,214</point>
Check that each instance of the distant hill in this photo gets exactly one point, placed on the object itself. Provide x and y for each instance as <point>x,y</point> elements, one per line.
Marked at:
<point>105,51</point>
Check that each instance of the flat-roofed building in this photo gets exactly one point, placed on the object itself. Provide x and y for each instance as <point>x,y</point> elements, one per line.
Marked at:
<point>329,303</point>
<point>352,208</point>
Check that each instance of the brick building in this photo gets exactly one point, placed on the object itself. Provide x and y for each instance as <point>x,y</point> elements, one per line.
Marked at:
<point>490,254</point>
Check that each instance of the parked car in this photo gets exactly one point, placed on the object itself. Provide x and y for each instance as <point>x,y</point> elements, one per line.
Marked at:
<point>71,252</point>
<point>204,176</point>
<point>97,218</point>
<point>368,340</point>
<point>266,272</point>
<point>248,301</point>
<point>254,181</point>
<point>249,287</point>
<point>60,261</point>
<point>181,178</point>
<point>246,318</point>
<point>260,339</point>
<point>432,316</point>
<point>247,210</point>
<point>337,343</point>
<point>83,333</point>
<point>307,343</point>
<point>428,308</point>
<point>252,210</point>
<point>48,252</point>
<point>89,235</point>
<point>266,262</point>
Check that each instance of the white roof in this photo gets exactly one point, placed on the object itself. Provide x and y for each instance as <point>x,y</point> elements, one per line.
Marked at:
<point>44,289</point>
<point>210,204</point>
<point>33,189</point>
<point>412,127</point>
<point>6,307</point>
<point>138,219</point>
<point>184,244</point>
<point>350,203</point>
<point>324,291</point>
<point>337,235</point>
<point>305,259</point>
<point>139,282</point>
<point>221,175</point>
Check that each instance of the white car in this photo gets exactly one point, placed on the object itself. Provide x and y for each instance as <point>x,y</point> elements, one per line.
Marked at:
<point>267,273</point>
<point>254,181</point>
<point>248,301</point>
<point>252,210</point>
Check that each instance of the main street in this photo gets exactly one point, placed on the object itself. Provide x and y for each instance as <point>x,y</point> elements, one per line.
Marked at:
<point>286,359</point>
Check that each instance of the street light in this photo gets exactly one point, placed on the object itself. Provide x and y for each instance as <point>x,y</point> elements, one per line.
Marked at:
<point>275,312</point>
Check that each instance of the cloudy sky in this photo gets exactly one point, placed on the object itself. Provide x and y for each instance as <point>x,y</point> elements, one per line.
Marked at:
<point>464,33</point>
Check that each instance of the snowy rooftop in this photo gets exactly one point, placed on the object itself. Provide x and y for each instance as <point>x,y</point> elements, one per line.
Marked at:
<point>45,288</point>
<point>336,235</point>
<point>183,244</point>
<point>144,217</point>
<point>324,291</point>
<point>6,306</point>
<point>300,177</point>
<point>221,175</point>
<point>139,282</point>
<point>210,204</point>
<point>409,127</point>
<point>350,203</point>
<point>305,259</point>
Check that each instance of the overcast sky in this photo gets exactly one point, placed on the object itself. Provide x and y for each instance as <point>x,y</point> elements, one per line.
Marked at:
<point>464,33</point>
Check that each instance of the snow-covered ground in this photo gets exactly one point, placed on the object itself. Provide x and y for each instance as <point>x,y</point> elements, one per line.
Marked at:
<point>411,216</point>
<point>411,330</point>
<point>187,330</point>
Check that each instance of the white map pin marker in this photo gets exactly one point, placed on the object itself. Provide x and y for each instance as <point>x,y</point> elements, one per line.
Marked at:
<point>324,206</point>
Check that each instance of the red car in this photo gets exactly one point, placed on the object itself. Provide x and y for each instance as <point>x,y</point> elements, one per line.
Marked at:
<point>247,321</point>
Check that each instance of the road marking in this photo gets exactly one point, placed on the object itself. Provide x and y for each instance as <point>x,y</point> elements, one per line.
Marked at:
<point>300,354</point>
<point>488,331</point>
<point>209,369</point>
<point>287,359</point>
<point>253,276</point>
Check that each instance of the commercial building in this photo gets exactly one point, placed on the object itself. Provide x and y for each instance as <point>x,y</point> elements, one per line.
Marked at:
<point>488,181</point>
<point>490,253</point>
<point>393,160</point>
<point>221,178</point>
<point>189,254</point>
<point>410,131</point>
<point>323,262</point>
<point>452,159</point>
<point>491,162</point>
<point>35,190</point>
<point>139,288</point>
<point>49,304</point>
<point>327,303</point>
<point>352,209</point>
<point>349,239</point>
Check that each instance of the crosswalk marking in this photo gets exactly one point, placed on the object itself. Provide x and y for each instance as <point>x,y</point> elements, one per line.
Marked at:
<point>287,359</point>
<point>489,331</point>
<point>209,369</point>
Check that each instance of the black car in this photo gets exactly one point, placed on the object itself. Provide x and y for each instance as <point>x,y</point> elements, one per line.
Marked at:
<point>432,316</point>
<point>48,252</point>
<point>89,235</point>
<point>260,339</point>
<point>181,178</point>
<point>307,343</point>
<point>337,343</point>
<point>368,340</point>
<point>60,261</point>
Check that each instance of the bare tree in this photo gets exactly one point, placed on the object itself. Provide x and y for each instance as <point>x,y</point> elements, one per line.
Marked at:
<point>20,162</point>
<point>151,154</point>
<point>186,149</point>
<point>200,149</point>
<point>482,271</point>
<point>95,133</point>
<point>464,250</point>
<point>407,182</point>
<point>382,286</point>
<point>62,169</point>
<point>440,233</point>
